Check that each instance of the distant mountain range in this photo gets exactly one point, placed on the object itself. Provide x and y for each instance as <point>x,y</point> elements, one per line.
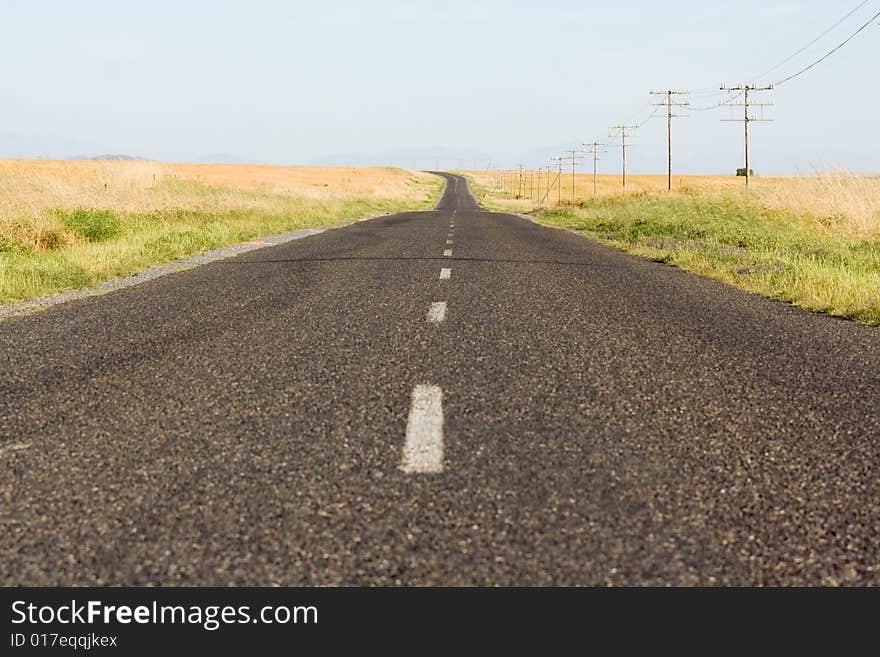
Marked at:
<point>421,157</point>
<point>439,157</point>
<point>109,156</point>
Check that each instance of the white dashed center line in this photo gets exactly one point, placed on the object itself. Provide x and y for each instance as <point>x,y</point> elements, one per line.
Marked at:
<point>437,312</point>
<point>423,449</point>
<point>445,273</point>
<point>449,241</point>
<point>447,252</point>
<point>14,447</point>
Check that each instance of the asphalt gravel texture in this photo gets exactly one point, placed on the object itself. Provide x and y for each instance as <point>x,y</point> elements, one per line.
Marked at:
<point>607,420</point>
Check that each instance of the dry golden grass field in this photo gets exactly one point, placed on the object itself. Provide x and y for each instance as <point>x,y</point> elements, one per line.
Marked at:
<point>847,202</point>
<point>31,189</point>
<point>70,224</point>
<point>810,240</point>
<point>316,182</point>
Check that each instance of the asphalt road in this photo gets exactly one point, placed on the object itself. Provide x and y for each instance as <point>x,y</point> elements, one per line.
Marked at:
<point>605,420</point>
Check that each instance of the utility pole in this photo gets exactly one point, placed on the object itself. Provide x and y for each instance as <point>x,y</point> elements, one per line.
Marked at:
<point>622,132</point>
<point>519,188</point>
<point>744,91</point>
<point>549,170</point>
<point>670,103</point>
<point>594,150</point>
<point>550,180</point>
<point>572,157</point>
<point>558,161</point>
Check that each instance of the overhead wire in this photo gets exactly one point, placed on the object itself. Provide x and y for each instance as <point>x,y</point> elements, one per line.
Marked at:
<point>650,116</point>
<point>721,103</point>
<point>818,38</point>
<point>830,52</point>
<point>710,92</point>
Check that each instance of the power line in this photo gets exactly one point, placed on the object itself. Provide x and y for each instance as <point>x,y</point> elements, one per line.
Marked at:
<point>830,52</point>
<point>721,103</point>
<point>741,90</point>
<point>650,116</point>
<point>825,33</point>
<point>654,111</point>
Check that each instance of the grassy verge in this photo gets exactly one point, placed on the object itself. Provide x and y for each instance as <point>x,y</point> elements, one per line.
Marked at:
<point>58,248</point>
<point>814,260</point>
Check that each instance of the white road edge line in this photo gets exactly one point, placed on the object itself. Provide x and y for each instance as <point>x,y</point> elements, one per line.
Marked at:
<point>437,312</point>
<point>445,273</point>
<point>423,449</point>
<point>447,252</point>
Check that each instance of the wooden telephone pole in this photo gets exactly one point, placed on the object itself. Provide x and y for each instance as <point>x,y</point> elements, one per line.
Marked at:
<point>594,149</point>
<point>747,104</point>
<point>669,103</point>
<point>558,161</point>
<point>570,157</point>
<point>622,132</point>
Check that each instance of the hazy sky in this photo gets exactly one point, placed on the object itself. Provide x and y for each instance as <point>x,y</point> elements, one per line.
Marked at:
<point>295,81</point>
